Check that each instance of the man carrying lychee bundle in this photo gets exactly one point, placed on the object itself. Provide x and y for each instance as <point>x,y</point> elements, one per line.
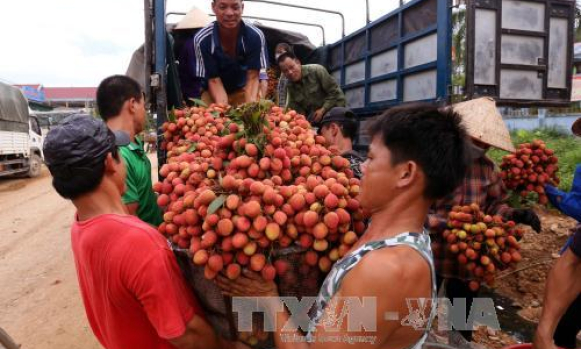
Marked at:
<point>132,288</point>
<point>482,186</point>
<point>415,157</point>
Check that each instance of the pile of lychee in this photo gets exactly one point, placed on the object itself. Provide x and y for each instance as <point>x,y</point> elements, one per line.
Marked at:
<point>481,244</point>
<point>239,184</point>
<point>528,170</point>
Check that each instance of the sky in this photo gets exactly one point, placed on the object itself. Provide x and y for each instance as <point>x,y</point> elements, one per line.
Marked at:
<point>79,42</point>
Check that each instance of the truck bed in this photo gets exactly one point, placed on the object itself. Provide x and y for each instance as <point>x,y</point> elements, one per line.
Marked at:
<point>14,143</point>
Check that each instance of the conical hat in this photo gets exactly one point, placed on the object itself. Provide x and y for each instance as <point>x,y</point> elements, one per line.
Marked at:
<point>484,123</point>
<point>196,18</point>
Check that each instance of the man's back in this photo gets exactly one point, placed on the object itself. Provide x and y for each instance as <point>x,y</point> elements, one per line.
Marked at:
<point>132,288</point>
<point>139,187</point>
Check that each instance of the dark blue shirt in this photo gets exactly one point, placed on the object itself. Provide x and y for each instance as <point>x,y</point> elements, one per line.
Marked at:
<point>576,242</point>
<point>212,62</point>
<point>190,83</point>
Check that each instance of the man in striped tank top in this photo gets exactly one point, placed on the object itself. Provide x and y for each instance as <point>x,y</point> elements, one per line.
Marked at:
<point>416,156</point>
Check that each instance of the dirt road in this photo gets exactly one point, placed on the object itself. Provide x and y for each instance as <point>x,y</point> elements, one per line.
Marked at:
<point>40,305</point>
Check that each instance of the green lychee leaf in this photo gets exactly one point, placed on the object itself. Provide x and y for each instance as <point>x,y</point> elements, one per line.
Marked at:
<point>216,204</point>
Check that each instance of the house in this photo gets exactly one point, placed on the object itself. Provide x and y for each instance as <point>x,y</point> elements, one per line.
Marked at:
<point>43,98</point>
<point>71,97</point>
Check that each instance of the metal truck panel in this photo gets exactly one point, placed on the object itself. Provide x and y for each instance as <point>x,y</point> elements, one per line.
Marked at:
<point>520,52</point>
<point>14,143</point>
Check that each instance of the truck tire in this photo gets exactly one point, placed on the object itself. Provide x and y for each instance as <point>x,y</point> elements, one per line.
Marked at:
<point>35,165</point>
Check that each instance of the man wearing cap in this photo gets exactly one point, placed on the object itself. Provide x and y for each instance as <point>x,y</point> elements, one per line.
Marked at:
<point>339,128</point>
<point>229,56</point>
<point>131,285</point>
<point>482,185</point>
<point>561,318</point>
<point>121,103</point>
<point>312,91</point>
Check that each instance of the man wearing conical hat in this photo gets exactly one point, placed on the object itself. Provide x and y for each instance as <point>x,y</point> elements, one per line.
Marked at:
<point>184,33</point>
<point>483,186</point>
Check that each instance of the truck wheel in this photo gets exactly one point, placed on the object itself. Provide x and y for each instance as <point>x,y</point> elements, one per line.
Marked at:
<point>35,164</point>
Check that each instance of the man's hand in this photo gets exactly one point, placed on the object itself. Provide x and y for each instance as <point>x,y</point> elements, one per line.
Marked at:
<point>319,115</point>
<point>249,284</point>
<point>528,217</point>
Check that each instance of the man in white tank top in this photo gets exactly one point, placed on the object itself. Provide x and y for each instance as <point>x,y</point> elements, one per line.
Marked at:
<point>415,157</point>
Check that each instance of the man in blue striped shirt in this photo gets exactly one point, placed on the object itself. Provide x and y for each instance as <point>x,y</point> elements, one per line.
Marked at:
<point>229,55</point>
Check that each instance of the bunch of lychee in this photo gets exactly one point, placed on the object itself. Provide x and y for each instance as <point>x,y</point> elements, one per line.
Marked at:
<point>233,197</point>
<point>528,170</point>
<point>481,244</point>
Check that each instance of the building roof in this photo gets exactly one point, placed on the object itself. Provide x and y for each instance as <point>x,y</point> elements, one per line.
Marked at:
<point>70,93</point>
<point>34,86</point>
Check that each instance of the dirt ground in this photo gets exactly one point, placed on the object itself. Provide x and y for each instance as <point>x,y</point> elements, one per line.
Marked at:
<point>525,286</point>
<point>40,305</point>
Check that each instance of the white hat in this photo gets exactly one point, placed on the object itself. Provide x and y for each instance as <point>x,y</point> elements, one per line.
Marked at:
<point>194,19</point>
<point>484,123</point>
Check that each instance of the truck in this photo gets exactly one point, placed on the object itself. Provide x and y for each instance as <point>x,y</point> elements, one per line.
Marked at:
<point>20,135</point>
<point>516,52</point>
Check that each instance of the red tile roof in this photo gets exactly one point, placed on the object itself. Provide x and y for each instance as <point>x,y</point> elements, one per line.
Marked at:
<point>70,93</point>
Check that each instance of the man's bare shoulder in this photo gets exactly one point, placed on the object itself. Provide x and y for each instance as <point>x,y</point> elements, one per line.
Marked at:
<point>384,268</point>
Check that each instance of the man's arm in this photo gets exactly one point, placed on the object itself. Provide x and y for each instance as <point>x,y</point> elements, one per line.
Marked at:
<point>563,286</point>
<point>252,84</point>
<point>207,68</point>
<point>217,91</point>
<point>152,275</point>
<point>334,97</point>
<point>199,335</point>
<point>256,60</point>
<point>131,196</point>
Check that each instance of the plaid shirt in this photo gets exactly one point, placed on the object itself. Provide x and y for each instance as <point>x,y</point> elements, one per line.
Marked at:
<point>482,185</point>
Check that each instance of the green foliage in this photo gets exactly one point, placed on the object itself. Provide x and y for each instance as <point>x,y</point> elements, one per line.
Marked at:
<point>252,119</point>
<point>567,148</point>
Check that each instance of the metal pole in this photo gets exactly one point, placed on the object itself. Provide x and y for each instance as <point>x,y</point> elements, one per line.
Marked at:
<point>367,17</point>
<point>147,48</point>
<point>307,8</point>
<point>159,74</point>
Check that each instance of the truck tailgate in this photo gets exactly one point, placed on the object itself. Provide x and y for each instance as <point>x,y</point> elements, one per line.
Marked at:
<point>14,143</point>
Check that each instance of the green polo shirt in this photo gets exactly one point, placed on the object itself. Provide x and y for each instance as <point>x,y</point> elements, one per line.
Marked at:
<point>139,189</point>
<point>316,89</point>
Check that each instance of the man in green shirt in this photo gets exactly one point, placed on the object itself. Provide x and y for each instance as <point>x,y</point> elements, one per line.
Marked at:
<point>121,104</point>
<point>312,91</point>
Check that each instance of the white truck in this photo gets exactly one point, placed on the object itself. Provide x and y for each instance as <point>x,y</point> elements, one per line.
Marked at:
<point>20,135</point>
